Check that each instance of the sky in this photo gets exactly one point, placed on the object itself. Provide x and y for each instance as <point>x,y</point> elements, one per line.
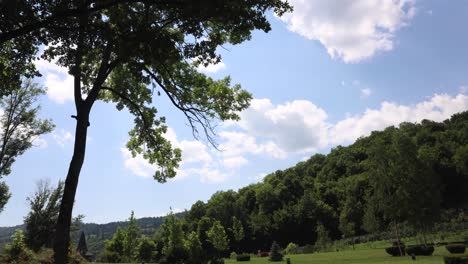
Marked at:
<point>326,74</point>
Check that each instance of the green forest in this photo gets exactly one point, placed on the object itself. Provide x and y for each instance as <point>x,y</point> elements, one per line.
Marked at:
<point>414,176</point>
<point>399,191</point>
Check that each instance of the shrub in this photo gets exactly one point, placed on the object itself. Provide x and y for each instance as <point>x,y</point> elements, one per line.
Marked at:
<point>455,260</point>
<point>455,248</point>
<point>291,249</point>
<point>243,257</point>
<point>275,254</point>
<point>395,251</point>
<point>308,249</point>
<point>263,254</point>
<point>233,255</point>
<point>109,256</point>
<point>420,250</point>
<point>17,252</point>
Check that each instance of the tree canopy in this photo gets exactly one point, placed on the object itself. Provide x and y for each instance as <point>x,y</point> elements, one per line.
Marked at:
<point>124,52</point>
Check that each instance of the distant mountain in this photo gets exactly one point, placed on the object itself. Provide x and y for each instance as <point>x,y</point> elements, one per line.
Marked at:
<point>96,234</point>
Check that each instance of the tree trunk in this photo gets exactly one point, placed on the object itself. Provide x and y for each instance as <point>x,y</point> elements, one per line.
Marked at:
<point>62,232</point>
<point>398,239</point>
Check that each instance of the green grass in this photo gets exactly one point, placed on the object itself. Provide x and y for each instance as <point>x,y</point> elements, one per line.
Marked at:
<point>374,256</point>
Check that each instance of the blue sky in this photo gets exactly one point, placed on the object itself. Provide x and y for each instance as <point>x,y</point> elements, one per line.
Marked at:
<point>326,74</point>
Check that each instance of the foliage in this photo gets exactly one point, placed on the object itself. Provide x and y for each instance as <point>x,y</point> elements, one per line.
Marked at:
<point>344,190</point>
<point>194,248</point>
<point>173,239</point>
<point>17,251</point>
<point>275,254</point>
<point>419,250</point>
<point>217,237</point>
<point>395,250</point>
<point>19,127</point>
<point>456,248</point>
<point>237,229</point>
<point>290,249</point>
<point>124,244</point>
<point>455,260</point>
<point>117,52</point>
<point>233,255</point>
<point>323,242</point>
<point>40,221</point>
<point>4,195</point>
<point>243,257</point>
<point>146,250</point>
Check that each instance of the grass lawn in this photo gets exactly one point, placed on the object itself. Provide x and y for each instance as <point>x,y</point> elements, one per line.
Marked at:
<point>354,257</point>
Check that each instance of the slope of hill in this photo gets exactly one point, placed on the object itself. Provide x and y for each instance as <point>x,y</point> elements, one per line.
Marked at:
<point>96,234</point>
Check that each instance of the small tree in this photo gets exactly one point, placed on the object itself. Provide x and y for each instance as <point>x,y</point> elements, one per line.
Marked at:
<point>323,239</point>
<point>146,249</point>
<point>17,251</point>
<point>275,252</point>
<point>40,221</point>
<point>130,243</point>
<point>174,249</point>
<point>194,248</point>
<point>237,230</point>
<point>217,237</point>
<point>291,249</point>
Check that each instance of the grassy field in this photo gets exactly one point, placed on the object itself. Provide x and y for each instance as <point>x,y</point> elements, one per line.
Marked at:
<point>374,256</point>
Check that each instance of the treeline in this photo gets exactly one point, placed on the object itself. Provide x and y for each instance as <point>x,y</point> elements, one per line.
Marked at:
<point>413,175</point>
<point>409,174</point>
<point>96,234</point>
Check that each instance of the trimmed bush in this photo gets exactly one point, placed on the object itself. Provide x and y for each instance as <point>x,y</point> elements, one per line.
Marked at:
<point>455,248</point>
<point>455,260</point>
<point>233,255</point>
<point>420,250</point>
<point>243,257</point>
<point>395,251</point>
<point>275,254</point>
<point>263,254</point>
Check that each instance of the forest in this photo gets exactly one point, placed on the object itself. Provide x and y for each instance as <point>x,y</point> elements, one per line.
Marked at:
<point>414,176</point>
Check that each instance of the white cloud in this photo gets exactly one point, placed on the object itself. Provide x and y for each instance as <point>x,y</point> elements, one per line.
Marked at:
<point>301,127</point>
<point>212,68</point>
<point>234,162</point>
<point>438,108</point>
<point>196,161</point>
<point>40,142</point>
<point>237,143</point>
<point>463,89</point>
<point>365,92</point>
<point>58,82</point>
<point>287,125</point>
<point>192,150</point>
<point>138,165</point>
<point>351,30</point>
<point>62,137</point>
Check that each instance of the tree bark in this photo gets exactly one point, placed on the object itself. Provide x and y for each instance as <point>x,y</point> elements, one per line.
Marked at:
<point>62,232</point>
<point>398,239</point>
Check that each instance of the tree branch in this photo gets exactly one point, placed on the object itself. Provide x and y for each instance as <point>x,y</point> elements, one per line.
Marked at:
<point>98,6</point>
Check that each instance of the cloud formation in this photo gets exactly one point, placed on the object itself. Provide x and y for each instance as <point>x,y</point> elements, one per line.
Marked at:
<point>351,30</point>
<point>58,82</point>
<point>292,128</point>
<point>212,68</point>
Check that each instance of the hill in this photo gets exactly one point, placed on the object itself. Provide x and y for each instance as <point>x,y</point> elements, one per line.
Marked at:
<point>96,234</point>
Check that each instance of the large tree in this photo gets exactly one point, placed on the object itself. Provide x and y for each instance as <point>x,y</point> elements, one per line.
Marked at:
<point>116,49</point>
<point>19,127</point>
